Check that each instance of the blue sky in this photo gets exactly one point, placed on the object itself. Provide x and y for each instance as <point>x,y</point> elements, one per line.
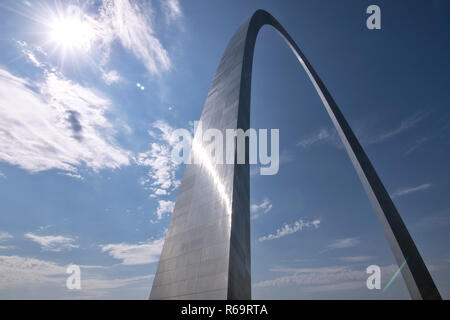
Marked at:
<point>85,170</point>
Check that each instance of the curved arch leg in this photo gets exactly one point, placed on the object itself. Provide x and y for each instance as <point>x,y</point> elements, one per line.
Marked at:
<point>206,254</point>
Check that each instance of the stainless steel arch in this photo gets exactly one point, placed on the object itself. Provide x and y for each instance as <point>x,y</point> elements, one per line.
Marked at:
<point>206,254</point>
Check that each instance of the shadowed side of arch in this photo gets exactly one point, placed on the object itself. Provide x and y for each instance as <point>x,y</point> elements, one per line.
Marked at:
<point>206,254</point>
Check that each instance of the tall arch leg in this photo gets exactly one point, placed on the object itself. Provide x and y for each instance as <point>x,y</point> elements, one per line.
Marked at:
<point>206,254</point>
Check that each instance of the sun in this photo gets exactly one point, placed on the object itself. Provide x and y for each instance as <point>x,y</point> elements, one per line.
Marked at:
<point>71,32</point>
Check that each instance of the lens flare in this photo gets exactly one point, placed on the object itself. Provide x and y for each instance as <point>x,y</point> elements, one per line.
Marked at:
<point>71,31</point>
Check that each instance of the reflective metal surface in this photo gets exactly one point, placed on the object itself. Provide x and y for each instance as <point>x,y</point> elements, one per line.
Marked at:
<point>206,254</point>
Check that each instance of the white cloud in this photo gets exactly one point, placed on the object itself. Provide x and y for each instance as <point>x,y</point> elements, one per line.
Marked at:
<point>105,283</point>
<point>323,279</point>
<point>30,53</point>
<point>404,125</point>
<point>322,135</point>
<point>56,125</point>
<point>52,243</point>
<point>18,271</point>
<point>161,177</point>
<point>5,236</point>
<point>345,285</point>
<point>32,57</point>
<point>286,156</point>
<point>73,175</point>
<point>2,175</point>
<point>313,276</point>
<point>417,144</point>
<point>432,222</point>
<point>330,135</point>
<point>106,23</point>
<point>171,9</point>
<point>257,209</point>
<point>290,229</point>
<point>133,254</point>
<point>356,259</point>
<point>344,243</point>
<point>23,272</point>
<point>405,191</point>
<point>164,207</point>
<point>129,22</point>
<point>111,77</point>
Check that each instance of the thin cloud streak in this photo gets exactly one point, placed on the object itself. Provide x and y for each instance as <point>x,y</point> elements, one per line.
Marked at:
<point>262,208</point>
<point>405,191</point>
<point>52,243</point>
<point>5,236</point>
<point>322,279</point>
<point>321,136</point>
<point>356,259</point>
<point>344,243</point>
<point>135,254</point>
<point>405,125</point>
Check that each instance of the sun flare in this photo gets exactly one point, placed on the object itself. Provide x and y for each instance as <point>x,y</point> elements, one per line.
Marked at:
<point>71,32</point>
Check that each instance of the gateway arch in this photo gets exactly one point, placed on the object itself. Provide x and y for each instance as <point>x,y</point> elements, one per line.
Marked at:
<point>206,254</point>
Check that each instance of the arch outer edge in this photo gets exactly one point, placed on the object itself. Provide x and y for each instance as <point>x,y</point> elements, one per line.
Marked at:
<point>206,254</point>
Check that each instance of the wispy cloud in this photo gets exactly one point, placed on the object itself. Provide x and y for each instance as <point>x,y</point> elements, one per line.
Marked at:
<point>330,136</point>
<point>95,285</point>
<point>313,276</point>
<point>4,236</point>
<point>25,272</point>
<point>344,243</point>
<point>19,271</point>
<point>129,22</point>
<point>72,175</point>
<point>322,135</point>
<point>111,77</point>
<point>405,191</point>
<point>258,209</point>
<point>431,222</point>
<point>322,279</point>
<point>52,243</point>
<point>133,254</point>
<point>2,175</point>
<point>164,207</point>
<point>288,229</point>
<point>60,125</point>
<point>30,53</point>
<point>356,259</point>
<point>417,144</point>
<point>172,10</point>
<point>161,179</point>
<point>404,125</point>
